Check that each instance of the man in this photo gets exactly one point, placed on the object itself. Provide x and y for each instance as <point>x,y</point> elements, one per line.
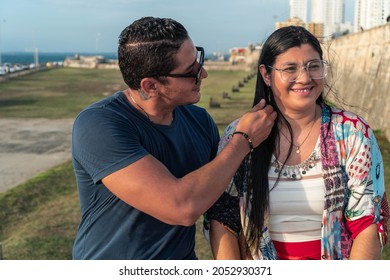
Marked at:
<point>145,158</point>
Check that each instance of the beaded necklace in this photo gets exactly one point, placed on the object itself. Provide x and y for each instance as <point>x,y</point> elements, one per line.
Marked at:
<point>296,172</point>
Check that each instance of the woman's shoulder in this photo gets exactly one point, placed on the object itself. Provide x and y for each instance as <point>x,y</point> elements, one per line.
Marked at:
<point>349,120</point>
<point>230,128</point>
<point>226,135</point>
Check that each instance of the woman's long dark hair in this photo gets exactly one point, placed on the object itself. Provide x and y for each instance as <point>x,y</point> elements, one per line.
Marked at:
<point>258,192</point>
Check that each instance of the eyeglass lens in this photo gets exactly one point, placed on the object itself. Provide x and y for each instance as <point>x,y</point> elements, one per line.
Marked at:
<point>316,69</point>
<point>200,60</point>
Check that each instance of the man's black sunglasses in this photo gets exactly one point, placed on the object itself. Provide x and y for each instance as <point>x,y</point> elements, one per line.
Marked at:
<point>200,60</point>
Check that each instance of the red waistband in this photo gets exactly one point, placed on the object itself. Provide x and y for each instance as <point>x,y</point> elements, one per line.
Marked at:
<point>308,250</point>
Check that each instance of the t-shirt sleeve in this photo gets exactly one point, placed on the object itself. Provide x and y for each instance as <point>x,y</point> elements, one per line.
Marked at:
<point>103,142</point>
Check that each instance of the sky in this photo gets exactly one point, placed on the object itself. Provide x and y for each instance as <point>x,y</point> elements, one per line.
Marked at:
<point>93,26</point>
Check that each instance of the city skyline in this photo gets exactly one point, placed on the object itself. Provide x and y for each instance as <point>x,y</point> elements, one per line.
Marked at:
<point>328,16</point>
<point>94,25</point>
<point>370,13</point>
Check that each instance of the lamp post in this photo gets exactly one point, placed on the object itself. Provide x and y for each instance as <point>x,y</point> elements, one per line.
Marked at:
<point>97,43</point>
<point>36,54</point>
<point>1,22</point>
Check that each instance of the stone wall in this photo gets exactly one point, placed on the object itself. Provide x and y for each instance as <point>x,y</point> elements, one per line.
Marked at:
<point>361,66</point>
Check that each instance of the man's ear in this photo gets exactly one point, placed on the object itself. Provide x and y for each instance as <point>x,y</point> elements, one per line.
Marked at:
<point>149,86</point>
<point>266,76</point>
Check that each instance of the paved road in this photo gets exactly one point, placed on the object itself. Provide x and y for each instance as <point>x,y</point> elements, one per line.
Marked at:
<point>30,146</point>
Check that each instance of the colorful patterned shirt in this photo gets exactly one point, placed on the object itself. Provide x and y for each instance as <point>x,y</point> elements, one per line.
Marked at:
<point>354,187</point>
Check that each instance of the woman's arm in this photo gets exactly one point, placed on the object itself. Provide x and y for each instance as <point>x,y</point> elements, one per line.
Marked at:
<point>224,245</point>
<point>366,245</point>
<point>364,166</point>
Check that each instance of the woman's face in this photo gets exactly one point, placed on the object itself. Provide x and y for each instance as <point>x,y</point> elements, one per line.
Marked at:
<point>303,92</point>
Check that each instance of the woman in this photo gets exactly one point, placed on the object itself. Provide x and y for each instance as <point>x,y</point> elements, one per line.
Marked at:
<point>314,189</point>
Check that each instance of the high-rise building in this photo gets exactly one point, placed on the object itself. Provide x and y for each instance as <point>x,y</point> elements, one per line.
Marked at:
<point>327,17</point>
<point>298,9</point>
<point>317,11</point>
<point>330,13</point>
<point>370,13</point>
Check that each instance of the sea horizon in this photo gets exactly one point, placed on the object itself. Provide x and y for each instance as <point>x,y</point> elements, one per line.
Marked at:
<point>27,58</point>
<point>44,57</point>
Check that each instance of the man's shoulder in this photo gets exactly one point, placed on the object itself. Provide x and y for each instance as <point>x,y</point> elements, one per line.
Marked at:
<point>106,101</point>
<point>108,104</point>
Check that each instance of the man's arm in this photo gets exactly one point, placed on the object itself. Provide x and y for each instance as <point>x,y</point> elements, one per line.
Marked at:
<point>148,185</point>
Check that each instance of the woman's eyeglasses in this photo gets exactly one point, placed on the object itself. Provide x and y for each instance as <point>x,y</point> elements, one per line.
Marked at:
<point>317,69</point>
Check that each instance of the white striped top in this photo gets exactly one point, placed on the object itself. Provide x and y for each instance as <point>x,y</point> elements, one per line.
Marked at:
<point>296,206</point>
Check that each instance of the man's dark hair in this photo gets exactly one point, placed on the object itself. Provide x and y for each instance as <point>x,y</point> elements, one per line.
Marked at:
<point>146,49</point>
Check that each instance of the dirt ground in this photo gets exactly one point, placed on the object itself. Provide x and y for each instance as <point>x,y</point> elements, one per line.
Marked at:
<point>31,146</point>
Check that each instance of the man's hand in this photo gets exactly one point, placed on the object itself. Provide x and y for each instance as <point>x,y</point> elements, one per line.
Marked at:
<point>258,122</point>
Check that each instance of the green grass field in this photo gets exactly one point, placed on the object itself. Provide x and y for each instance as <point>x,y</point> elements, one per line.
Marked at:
<point>39,218</point>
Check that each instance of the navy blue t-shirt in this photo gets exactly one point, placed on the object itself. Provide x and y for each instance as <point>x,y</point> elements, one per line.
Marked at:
<point>110,135</point>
